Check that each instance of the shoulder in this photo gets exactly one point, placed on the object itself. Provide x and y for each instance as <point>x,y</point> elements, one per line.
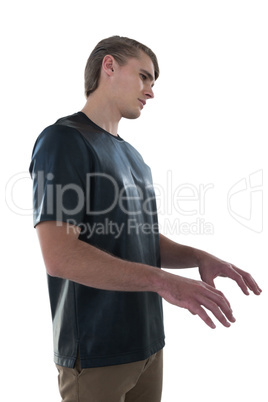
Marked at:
<point>57,138</point>
<point>59,134</point>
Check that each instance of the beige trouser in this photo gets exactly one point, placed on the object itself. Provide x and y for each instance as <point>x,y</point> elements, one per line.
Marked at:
<point>140,382</point>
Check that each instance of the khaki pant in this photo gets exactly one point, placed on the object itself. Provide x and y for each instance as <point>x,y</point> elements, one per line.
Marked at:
<point>140,382</point>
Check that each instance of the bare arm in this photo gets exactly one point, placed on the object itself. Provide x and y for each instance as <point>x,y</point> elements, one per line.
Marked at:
<point>67,257</point>
<point>174,255</point>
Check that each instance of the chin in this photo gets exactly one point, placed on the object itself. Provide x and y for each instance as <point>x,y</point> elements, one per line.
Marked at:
<point>132,115</point>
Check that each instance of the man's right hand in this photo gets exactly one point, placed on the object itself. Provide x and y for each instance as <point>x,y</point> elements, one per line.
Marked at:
<point>194,296</point>
<point>67,257</point>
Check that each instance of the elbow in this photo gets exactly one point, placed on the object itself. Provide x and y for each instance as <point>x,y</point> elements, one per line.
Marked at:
<point>52,272</point>
<point>53,269</point>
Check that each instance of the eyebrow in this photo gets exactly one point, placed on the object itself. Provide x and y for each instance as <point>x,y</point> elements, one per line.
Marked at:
<point>149,75</point>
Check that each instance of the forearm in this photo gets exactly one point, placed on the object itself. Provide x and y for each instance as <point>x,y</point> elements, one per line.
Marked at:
<point>67,257</point>
<point>174,255</point>
<point>90,266</point>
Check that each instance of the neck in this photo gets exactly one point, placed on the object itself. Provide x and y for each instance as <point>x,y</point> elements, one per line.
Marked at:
<point>102,113</point>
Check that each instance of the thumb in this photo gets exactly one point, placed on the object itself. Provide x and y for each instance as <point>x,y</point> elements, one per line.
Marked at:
<point>208,280</point>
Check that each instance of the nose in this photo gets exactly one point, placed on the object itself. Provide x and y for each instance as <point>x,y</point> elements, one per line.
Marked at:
<point>149,93</point>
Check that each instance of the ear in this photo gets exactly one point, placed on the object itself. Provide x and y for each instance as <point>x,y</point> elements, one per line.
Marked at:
<point>108,64</point>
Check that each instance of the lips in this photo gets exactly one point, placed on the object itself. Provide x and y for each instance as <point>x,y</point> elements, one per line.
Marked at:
<point>143,102</point>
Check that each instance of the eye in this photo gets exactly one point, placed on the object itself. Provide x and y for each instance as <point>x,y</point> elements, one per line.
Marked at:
<point>143,77</point>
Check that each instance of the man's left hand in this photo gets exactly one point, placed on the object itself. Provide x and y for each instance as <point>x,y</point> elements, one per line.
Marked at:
<point>211,267</point>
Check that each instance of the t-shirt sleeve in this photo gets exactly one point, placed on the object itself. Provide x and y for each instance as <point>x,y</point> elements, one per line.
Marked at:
<point>59,167</point>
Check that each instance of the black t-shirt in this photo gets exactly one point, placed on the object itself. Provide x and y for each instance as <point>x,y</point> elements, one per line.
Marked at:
<point>84,176</point>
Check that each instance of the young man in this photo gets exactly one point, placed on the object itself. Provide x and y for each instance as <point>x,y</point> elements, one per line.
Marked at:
<point>96,219</point>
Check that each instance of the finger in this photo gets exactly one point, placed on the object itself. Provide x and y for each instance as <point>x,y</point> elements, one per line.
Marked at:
<point>238,278</point>
<point>214,308</point>
<point>196,309</point>
<point>250,282</point>
<point>222,302</point>
<point>252,285</point>
<point>217,303</point>
<point>215,293</point>
<point>209,281</point>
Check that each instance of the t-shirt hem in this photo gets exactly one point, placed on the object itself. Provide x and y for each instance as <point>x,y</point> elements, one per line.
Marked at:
<point>91,362</point>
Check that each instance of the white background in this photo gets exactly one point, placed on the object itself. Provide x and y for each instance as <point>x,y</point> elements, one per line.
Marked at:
<point>206,126</point>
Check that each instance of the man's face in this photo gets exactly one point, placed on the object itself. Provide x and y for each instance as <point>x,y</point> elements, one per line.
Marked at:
<point>132,85</point>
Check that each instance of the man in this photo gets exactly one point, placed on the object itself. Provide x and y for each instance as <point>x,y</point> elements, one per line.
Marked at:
<point>96,219</point>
